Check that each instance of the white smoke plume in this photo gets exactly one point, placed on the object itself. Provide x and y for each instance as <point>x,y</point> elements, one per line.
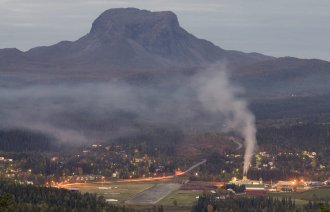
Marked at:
<point>217,94</point>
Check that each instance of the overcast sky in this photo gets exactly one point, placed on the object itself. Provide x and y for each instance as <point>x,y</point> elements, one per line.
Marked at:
<point>298,28</point>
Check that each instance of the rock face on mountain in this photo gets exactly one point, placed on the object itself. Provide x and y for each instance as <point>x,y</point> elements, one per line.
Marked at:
<point>126,40</point>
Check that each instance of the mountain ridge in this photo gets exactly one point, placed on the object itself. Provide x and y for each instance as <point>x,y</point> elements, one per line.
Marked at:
<point>127,39</point>
<point>131,43</point>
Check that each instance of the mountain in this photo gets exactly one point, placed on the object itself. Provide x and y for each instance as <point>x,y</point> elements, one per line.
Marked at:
<point>125,42</point>
<point>285,77</point>
<point>132,43</point>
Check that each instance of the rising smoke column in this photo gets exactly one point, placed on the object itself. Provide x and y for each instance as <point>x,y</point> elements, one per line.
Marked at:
<point>218,95</point>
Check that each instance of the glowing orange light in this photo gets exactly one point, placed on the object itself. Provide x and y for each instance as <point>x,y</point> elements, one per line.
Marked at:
<point>179,172</point>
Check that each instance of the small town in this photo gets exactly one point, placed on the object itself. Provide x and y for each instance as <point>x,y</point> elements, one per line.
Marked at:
<point>104,168</point>
<point>164,106</point>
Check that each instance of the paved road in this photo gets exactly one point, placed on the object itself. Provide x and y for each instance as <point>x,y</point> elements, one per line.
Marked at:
<point>158,192</point>
<point>154,194</point>
<point>194,166</point>
<point>239,145</point>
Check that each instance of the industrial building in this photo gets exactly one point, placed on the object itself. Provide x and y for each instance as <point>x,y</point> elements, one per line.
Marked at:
<point>252,187</point>
<point>255,189</point>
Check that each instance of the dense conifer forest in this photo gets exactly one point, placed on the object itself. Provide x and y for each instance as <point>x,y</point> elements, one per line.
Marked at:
<point>255,204</point>
<point>16,197</point>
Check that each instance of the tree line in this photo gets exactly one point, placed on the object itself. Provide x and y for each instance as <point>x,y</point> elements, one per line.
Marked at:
<point>16,197</point>
<point>22,140</point>
<point>209,203</point>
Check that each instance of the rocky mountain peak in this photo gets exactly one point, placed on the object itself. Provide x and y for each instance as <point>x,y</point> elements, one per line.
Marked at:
<point>133,23</point>
<point>127,41</point>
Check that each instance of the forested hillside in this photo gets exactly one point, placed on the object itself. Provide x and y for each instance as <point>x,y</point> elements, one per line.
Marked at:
<point>21,140</point>
<point>309,136</point>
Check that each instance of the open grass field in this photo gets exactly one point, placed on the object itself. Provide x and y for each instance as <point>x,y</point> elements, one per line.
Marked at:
<point>181,197</point>
<point>120,191</point>
<point>123,191</point>
<point>175,200</point>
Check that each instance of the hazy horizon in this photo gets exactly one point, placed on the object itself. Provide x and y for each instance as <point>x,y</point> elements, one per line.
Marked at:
<point>282,28</point>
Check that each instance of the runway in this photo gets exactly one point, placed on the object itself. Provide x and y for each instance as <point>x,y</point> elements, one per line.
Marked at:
<point>154,194</point>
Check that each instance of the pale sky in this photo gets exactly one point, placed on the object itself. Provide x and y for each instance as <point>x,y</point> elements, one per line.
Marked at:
<point>299,28</point>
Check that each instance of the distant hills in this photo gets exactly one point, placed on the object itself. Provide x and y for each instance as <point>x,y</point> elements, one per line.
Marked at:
<point>129,43</point>
<point>286,76</point>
